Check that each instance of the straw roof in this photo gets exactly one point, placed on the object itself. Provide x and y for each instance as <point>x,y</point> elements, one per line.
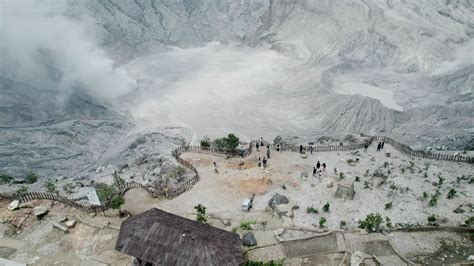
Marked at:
<point>162,238</point>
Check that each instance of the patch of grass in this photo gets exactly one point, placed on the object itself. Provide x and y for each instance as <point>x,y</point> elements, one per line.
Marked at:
<point>312,210</point>
<point>326,207</point>
<point>31,178</point>
<point>322,222</point>
<point>247,225</point>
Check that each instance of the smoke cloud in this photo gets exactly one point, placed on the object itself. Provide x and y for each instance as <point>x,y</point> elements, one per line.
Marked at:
<point>40,44</point>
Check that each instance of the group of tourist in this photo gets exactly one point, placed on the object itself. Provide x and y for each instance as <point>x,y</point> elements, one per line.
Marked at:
<point>318,168</point>
<point>263,163</point>
<point>380,145</point>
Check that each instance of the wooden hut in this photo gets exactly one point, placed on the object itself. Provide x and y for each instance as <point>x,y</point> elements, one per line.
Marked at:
<point>156,237</point>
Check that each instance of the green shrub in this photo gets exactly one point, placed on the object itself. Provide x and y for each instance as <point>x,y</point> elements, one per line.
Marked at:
<point>205,142</point>
<point>432,219</point>
<point>434,200</point>
<point>452,193</point>
<point>200,213</point>
<point>117,202</point>
<point>326,207</point>
<point>322,221</point>
<point>311,210</point>
<point>49,186</point>
<point>388,205</point>
<point>247,225</point>
<point>341,175</point>
<point>440,181</point>
<point>372,222</point>
<point>227,143</point>
<point>342,224</point>
<point>31,178</point>
<point>425,195</point>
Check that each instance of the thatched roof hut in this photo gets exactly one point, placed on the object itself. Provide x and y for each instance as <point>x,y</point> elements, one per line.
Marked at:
<point>156,237</point>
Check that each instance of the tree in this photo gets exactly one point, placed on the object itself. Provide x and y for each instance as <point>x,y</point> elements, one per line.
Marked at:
<point>201,213</point>
<point>31,178</point>
<point>117,202</point>
<point>232,141</point>
<point>205,142</point>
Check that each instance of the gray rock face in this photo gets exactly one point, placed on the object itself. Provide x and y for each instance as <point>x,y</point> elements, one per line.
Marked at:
<point>278,199</point>
<point>248,239</point>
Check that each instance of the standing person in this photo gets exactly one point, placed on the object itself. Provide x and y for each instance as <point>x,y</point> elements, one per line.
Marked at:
<point>311,148</point>
<point>324,167</point>
<point>301,148</point>
<point>261,141</point>
<point>383,143</point>
<point>259,162</point>
<point>314,170</point>
<point>365,147</point>
<point>318,165</point>
<point>257,145</point>
<point>264,162</point>
<point>268,152</point>
<point>379,145</point>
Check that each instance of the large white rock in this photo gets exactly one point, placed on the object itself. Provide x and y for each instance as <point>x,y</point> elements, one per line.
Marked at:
<point>71,223</point>
<point>14,205</point>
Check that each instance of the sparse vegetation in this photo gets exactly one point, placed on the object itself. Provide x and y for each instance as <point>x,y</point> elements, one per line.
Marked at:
<point>311,210</point>
<point>425,195</point>
<point>118,180</point>
<point>440,180</point>
<point>372,222</point>
<point>388,205</point>
<point>326,207</point>
<point>452,193</point>
<point>22,190</point>
<point>104,192</point>
<point>341,175</point>
<point>200,213</point>
<point>68,187</point>
<point>50,186</point>
<point>4,178</point>
<point>205,142</point>
<point>247,225</point>
<point>31,178</point>
<point>434,198</point>
<point>470,222</point>
<point>322,222</point>
<point>385,164</point>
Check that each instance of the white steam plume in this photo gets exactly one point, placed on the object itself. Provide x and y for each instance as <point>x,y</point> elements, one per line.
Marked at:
<point>36,36</point>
